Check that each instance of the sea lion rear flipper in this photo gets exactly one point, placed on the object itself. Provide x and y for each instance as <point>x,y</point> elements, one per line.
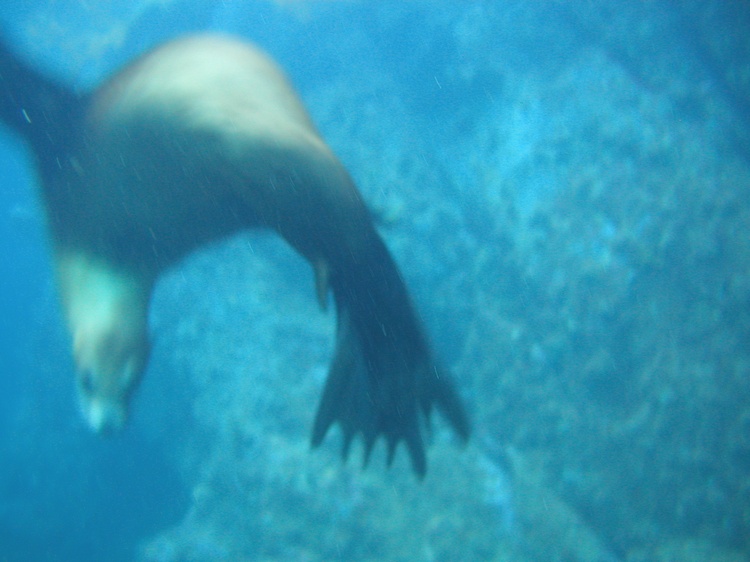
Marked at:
<point>39,109</point>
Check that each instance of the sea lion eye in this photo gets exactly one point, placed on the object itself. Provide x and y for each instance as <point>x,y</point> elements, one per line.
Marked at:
<point>87,382</point>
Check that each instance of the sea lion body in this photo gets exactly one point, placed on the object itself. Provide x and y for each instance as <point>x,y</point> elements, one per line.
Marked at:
<point>194,141</point>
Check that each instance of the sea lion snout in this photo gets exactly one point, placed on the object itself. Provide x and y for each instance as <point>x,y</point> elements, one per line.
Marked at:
<point>106,377</point>
<point>103,416</point>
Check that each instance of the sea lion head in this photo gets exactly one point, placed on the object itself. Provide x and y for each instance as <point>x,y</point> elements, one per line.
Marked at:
<point>107,310</point>
<point>109,366</point>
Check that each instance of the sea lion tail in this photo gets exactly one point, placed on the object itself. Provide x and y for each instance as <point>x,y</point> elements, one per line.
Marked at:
<point>383,379</point>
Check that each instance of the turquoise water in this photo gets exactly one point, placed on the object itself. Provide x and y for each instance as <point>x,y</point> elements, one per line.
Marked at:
<point>567,192</point>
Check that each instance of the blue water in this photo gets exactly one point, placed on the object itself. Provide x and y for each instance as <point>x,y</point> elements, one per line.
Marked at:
<point>567,190</point>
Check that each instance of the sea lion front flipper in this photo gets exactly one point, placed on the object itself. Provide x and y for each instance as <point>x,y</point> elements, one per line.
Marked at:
<point>383,379</point>
<point>322,282</point>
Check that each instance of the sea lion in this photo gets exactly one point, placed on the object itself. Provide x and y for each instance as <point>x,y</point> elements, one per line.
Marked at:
<point>193,141</point>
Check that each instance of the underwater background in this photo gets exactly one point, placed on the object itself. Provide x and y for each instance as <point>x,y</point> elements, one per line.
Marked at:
<point>566,187</point>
